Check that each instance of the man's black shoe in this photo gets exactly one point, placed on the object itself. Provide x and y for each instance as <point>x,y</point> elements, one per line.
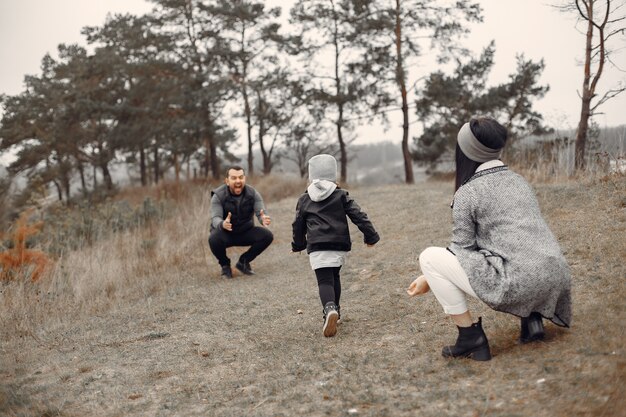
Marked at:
<point>244,267</point>
<point>226,271</point>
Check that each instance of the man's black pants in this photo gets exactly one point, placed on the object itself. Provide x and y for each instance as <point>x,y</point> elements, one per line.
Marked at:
<point>258,238</point>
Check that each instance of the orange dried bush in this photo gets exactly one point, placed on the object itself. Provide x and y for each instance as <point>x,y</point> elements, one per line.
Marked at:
<point>16,262</point>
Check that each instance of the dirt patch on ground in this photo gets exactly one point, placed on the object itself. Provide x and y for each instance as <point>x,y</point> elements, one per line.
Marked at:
<point>196,344</point>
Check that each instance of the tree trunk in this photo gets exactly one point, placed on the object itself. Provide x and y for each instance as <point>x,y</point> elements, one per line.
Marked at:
<point>401,80</point>
<point>156,164</point>
<point>106,176</point>
<point>59,190</point>
<point>176,168</point>
<point>142,166</point>
<point>83,182</point>
<point>207,157</point>
<point>213,159</point>
<point>581,135</point>
<point>66,188</point>
<point>246,101</point>
<point>104,167</point>
<point>343,155</point>
<point>301,157</point>
<point>587,94</point>
<point>249,129</point>
<point>267,165</point>
<point>339,123</point>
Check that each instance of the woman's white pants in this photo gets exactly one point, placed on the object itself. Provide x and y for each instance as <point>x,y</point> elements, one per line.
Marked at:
<point>446,278</point>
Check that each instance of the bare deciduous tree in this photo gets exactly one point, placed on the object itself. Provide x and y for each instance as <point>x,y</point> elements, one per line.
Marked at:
<point>604,20</point>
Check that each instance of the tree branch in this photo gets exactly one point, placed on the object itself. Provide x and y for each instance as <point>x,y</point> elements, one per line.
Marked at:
<point>582,14</point>
<point>607,96</point>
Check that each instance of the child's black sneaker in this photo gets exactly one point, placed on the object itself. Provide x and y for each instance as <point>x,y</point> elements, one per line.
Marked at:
<point>330,319</point>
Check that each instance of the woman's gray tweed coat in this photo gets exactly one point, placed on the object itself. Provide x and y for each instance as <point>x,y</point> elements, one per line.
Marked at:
<point>512,259</point>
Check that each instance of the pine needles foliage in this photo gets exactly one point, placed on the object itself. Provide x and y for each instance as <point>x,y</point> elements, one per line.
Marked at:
<point>19,261</point>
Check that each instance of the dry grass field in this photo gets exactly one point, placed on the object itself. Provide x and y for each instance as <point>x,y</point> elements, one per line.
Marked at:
<point>142,324</point>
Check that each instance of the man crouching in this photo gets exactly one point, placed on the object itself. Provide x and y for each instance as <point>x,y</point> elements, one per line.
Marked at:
<point>233,206</point>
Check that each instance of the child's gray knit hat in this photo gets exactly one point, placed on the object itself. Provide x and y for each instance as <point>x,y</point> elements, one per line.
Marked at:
<point>323,167</point>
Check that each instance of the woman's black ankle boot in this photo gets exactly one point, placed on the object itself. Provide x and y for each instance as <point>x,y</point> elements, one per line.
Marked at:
<point>532,328</point>
<point>471,343</point>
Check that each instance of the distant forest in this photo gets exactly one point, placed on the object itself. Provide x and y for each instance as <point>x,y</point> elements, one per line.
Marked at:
<point>167,92</point>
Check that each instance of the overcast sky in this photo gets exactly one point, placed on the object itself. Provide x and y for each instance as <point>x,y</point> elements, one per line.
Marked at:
<point>31,28</point>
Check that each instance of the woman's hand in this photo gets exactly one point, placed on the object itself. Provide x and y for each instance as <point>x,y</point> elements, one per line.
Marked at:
<point>418,287</point>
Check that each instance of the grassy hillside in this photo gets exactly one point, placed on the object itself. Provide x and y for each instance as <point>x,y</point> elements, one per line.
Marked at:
<point>142,324</point>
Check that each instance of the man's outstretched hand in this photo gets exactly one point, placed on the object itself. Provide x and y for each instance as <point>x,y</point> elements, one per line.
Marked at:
<point>265,219</point>
<point>226,224</point>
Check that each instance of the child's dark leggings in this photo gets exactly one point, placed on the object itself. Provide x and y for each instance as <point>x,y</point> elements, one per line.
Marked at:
<point>329,284</point>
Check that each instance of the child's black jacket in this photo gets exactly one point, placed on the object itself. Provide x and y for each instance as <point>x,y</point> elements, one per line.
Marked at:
<point>323,225</point>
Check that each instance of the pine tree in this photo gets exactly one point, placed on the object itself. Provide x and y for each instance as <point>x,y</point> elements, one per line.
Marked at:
<point>344,87</point>
<point>394,34</point>
<point>448,101</point>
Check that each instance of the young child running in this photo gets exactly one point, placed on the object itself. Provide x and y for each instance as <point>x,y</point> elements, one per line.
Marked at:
<point>321,228</point>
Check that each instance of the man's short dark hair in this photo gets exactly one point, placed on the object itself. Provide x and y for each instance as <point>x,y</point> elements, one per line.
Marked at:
<point>236,168</point>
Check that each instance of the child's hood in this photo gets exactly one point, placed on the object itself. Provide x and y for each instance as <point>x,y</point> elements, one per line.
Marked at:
<point>319,190</point>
